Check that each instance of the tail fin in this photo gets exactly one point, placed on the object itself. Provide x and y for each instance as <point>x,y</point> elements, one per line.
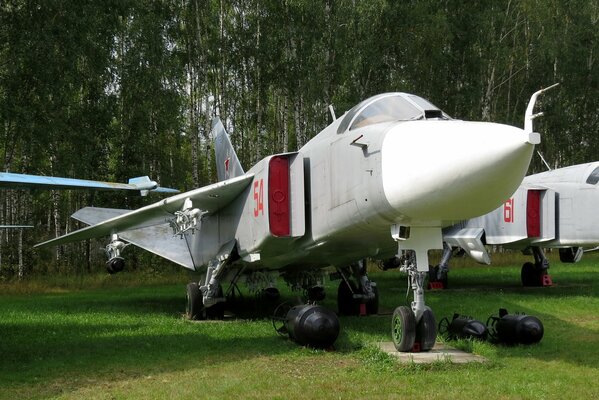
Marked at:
<point>227,163</point>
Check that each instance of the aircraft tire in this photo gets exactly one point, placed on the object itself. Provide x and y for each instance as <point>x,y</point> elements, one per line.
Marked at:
<point>426,330</point>
<point>270,294</point>
<point>530,275</point>
<point>372,307</point>
<point>403,329</point>
<point>346,303</point>
<point>570,255</point>
<point>194,308</point>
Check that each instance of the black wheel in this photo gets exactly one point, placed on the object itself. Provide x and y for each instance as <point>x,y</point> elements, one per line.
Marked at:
<point>346,303</point>
<point>403,329</point>
<point>530,275</point>
<point>570,255</point>
<point>433,276</point>
<point>372,307</point>
<point>194,308</point>
<point>270,294</point>
<point>426,330</point>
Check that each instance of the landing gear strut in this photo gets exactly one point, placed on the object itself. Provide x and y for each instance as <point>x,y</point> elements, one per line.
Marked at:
<point>357,298</point>
<point>206,300</point>
<point>536,274</point>
<point>414,328</point>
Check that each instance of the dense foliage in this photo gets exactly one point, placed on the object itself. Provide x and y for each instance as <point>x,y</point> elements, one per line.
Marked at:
<point>114,89</point>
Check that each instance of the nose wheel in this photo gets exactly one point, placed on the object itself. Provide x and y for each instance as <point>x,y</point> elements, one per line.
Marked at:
<point>414,329</point>
<point>426,330</point>
<point>403,329</point>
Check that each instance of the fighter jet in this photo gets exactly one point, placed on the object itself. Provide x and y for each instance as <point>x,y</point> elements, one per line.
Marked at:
<point>384,178</point>
<point>552,209</point>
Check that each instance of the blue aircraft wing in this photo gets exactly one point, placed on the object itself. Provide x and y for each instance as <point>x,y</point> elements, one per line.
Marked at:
<point>23,181</point>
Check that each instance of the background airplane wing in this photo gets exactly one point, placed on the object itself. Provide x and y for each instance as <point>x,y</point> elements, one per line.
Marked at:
<point>208,199</point>
<point>18,181</point>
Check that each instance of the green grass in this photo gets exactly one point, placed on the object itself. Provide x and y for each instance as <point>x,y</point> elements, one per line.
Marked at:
<point>101,337</point>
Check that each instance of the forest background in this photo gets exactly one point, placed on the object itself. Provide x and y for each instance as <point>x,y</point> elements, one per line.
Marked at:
<point>113,89</point>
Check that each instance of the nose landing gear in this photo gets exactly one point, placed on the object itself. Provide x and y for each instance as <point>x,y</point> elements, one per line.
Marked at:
<point>414,328</point>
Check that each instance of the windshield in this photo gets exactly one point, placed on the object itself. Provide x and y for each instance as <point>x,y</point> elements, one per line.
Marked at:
<point>388,107</point>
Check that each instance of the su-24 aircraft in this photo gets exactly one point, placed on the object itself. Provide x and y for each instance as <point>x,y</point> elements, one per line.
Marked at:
<point>10,180</point>
<point>552,209</point>
<point>383,179</point>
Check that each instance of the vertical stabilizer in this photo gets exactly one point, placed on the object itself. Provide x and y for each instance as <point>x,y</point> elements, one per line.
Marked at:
<point>227,163</point>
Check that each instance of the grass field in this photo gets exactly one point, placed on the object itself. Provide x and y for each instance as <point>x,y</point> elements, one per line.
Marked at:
<point>113,338</point>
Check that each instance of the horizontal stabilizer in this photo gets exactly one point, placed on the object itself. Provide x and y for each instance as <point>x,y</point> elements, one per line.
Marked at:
<point>208,199</point>
<point>15,226</point>
<point>159,239</point>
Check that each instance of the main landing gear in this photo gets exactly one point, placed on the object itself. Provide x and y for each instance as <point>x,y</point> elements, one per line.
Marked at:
<point>536,274</point>
<point>195,309</point>
<point>357,296</point>
<point>437,275</point>
<point>205,299</point>
<point>414,328</point>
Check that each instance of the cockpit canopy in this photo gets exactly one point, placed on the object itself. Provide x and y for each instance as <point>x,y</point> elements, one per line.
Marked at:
<point>389,107</point>
<point>593,177</point>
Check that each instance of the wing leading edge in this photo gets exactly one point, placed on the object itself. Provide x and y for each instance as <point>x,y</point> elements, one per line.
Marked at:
<point>208,199</point>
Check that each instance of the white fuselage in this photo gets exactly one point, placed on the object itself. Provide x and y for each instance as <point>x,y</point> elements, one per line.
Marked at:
<point>428,173</point>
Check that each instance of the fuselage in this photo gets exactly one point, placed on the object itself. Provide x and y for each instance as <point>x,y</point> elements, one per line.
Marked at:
<point>371,169</point>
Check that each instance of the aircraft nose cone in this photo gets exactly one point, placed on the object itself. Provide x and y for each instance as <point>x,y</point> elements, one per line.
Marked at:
<point>458,169</point>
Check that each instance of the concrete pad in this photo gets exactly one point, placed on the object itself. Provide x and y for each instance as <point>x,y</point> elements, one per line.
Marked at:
<point>440,352</point>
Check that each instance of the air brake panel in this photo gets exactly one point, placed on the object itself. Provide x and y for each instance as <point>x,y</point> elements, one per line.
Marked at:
<point>540,215</point>
<point>278,196</point>
<point>286,209</point>
<point>533,213</point>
